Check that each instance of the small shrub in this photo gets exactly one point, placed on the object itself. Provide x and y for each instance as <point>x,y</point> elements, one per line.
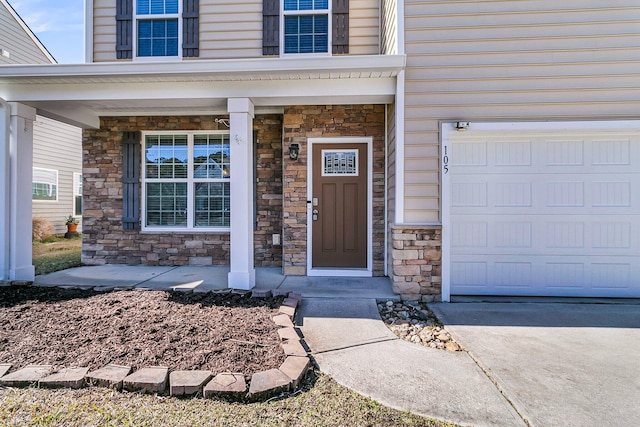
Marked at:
<point>41,229</point>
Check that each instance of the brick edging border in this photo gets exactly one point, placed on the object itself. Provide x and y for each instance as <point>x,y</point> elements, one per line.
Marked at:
<point>157,379</point>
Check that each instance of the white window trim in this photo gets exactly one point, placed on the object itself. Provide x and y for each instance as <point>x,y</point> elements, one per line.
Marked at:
<point>134,42</point>
<point>327,11</point>
<point>77,179</point>
<point>155,229</point>
<point>57,173</point>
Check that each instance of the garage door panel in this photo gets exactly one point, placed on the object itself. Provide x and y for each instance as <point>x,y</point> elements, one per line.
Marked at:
<point>545,214</point>
<point>556,276</point>
<point>604,235</point>
<point>541,194</point>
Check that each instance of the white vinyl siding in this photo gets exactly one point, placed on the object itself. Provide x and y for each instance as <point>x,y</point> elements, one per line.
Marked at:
<point>510,60</point>
<point>233,29</point>
<point>389,30</point>
<point>15,40</point>
<point>230,29</point>
<point>391,179</point>
<point>57,146</point>
<point>104,30</point>
<point>364,27</point>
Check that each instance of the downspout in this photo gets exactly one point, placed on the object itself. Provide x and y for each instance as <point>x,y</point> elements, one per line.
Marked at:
<point>5,166</point>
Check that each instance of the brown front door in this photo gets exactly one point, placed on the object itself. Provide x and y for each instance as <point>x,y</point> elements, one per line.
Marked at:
<point>339,206</point>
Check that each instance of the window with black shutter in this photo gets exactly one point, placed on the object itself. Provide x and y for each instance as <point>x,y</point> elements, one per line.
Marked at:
<point>305,26</point>
<point>150,28</point>
<point>131,180</point>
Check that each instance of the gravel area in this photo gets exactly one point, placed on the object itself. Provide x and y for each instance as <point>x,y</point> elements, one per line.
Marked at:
<point>416,323</point>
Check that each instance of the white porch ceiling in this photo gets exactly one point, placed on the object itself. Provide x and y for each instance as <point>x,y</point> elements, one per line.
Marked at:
<point>80,94</point>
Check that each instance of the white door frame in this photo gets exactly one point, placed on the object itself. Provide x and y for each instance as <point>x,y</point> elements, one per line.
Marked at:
<point>350,272</point>
<point>449,128</point>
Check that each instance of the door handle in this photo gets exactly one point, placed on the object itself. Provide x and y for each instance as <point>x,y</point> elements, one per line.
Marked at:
<point>314,214</point>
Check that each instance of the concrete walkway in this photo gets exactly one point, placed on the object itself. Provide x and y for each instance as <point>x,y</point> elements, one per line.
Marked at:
<point>205,279</point>
<point>351,344</point>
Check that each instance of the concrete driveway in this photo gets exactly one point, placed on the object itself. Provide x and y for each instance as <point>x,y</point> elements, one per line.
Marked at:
<point>559,364</point>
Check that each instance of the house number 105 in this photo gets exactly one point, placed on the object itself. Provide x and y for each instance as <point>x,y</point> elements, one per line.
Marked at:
<point>445,161</point>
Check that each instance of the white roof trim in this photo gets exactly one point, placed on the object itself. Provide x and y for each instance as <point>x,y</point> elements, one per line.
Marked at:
<point>241,69</point>
<point>27,30</point>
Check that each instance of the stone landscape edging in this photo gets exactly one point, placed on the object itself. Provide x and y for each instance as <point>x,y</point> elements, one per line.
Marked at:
<point>157,379</point>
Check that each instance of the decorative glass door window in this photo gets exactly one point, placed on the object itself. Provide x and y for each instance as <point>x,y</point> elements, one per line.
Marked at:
<point>187,181</point>
<point>339,162</point>
<point>306,26</point>
<point>157,28</point>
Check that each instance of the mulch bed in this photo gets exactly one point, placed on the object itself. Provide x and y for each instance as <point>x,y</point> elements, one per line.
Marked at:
<point>73,328</point>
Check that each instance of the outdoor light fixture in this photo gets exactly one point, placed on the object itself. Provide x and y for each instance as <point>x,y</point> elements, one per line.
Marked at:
<point>294,151</point>
<point>5,53</point>
<point>462,126</point>
<point>223,121</point>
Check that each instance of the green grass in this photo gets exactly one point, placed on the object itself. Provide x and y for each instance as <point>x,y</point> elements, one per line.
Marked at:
<point>324,403</point>
<point>56,253</point>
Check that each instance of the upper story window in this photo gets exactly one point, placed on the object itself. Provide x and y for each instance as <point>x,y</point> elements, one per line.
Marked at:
<point>306,26</point>
<point>157,28</point>
<point>291,27</point>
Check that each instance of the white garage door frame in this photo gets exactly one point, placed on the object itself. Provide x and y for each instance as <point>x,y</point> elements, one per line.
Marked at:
<point>448,130</point>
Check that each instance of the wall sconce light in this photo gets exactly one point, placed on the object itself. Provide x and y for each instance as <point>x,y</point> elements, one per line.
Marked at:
<point>223,121</point>
<point>462,126</point>
<point>294,151</point>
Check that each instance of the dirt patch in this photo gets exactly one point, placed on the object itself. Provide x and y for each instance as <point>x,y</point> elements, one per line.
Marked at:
<point>66,328</point>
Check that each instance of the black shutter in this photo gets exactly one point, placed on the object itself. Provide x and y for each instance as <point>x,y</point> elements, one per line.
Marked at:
<point>190,28</point>
<point>131,180</point>
<point>124,29</point>
<point>271,27</point>
<point>340,21</point>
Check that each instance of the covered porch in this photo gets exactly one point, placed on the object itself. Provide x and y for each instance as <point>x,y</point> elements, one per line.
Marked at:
<point>83,94</point>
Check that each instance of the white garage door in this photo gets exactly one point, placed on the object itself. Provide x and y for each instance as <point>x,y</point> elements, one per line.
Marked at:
<point>547,214</point>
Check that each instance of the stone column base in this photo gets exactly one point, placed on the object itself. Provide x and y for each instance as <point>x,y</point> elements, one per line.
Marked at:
<point>417,265</point>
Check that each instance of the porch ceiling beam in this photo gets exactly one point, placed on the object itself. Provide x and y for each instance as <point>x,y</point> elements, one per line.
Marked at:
<point>82,118</point>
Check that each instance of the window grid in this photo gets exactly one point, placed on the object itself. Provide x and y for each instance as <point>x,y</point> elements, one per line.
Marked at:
<point>306,26</point>
<point>187,181</point>
<point>340,162</point>
<point>157,28</point>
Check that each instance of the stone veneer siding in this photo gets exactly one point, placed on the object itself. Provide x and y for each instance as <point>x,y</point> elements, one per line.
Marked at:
<point>104,240</point>
<point>302,122</point>
<point>417,262</point>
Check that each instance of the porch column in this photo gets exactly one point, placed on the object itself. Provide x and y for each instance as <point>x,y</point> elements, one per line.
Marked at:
<point>242,274</point>
<point>21,171</point>
<point>5,192</point>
